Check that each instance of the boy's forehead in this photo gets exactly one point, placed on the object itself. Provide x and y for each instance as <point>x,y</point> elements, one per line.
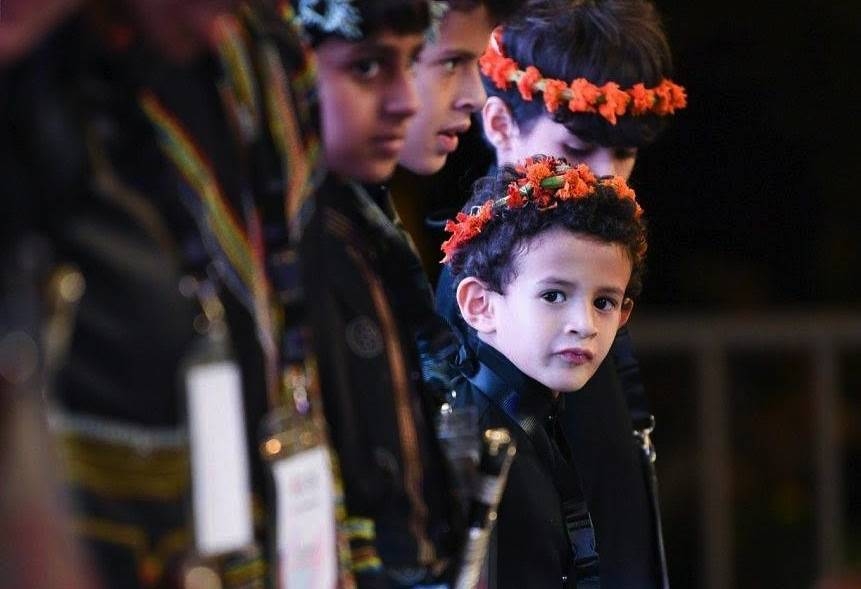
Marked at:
<point>388,40</point>
<point>561,255</point>
<point>464,24</point>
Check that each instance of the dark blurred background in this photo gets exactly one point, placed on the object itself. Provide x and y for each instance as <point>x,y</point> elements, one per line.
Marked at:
<point>754,209</point>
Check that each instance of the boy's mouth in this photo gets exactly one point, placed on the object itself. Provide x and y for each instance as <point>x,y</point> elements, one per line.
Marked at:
<point>389,143</point>
<point>448,138</point>
<point>575,355</point>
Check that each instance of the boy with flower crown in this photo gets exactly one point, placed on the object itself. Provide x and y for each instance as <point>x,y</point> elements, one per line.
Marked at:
<point>589,81</point>
<point>544,266</point>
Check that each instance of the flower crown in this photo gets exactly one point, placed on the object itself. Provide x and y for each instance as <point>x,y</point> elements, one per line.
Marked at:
<point>544,182</point>
<point>609,101</point>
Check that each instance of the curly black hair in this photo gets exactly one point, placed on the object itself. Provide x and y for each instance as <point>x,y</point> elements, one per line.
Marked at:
<point>603,215</point>
<point>622,41</point>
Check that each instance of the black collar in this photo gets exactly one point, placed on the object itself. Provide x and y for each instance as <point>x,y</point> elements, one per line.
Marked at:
<point>524,399</point>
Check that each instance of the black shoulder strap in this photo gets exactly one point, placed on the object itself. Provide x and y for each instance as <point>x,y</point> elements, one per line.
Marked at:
<point>578,521</point>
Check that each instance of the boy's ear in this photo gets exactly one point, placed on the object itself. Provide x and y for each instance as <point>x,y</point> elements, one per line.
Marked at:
<point>473,298</point>
<point>500,128</point>
<point>627,307</point>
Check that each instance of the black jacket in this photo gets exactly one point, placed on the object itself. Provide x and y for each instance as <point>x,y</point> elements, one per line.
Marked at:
<point>364,307</point>
<point>533,546</point>
<point>597,421</point>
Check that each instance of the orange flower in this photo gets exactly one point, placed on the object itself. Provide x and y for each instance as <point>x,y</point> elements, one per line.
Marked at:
<point>614,103</point>
<point>642,98</point>
<point>527,81</point>
<point>584,94</point>
<point>464,228</point>
<point>578,183</point>
<point>669,97</point>
<point>585,173</point>
<point>679,97</point>
<point>553,90</point>
<point>535,173</point>
<point>496,67</point>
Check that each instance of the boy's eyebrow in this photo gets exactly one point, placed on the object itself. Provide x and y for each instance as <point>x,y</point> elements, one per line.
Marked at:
<point>553,281</point>
<point>383,49</point>
<point>456,52</point>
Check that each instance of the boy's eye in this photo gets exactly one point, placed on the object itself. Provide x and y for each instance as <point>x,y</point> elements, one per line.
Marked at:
<point>366,68</point>
<point>605,304</point>
<point>449,65</point>
<point>553,296</point>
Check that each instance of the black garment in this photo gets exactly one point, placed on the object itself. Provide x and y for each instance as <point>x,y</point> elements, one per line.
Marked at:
<point>597,421</point>
<point>71,103</point>
<point>532,548</point>
<point>379,416</point>
<point>86,173</point>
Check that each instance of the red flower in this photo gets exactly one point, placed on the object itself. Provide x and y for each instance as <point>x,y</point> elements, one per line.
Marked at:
<point>614,103</point>
<point>553,93</point>
<point>483,215</point>
<point>578,182</point>
<point>584,95</point>
<point>642,99</point>
<point>516,199</point>
<point>496,67</point>
<point>527,82</point>
<point>669,97</point>
<point>536,172</point>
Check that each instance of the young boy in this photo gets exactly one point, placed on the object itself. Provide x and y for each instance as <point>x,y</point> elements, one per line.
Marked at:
<point>594,85</point>
<point>545,271</point>
<point>404,524</point>
<point>615,54</point>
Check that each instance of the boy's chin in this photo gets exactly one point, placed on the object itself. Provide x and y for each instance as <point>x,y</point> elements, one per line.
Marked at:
<point>376,173</point>
<point>423,166</point>
<point>574,385</point>
<point>371,174</point>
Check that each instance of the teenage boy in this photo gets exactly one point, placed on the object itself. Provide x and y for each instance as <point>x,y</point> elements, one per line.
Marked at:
<point>403,525</point>
<point>448,81</point>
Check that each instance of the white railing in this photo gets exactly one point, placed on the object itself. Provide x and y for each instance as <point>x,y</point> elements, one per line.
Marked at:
<point>708,339</point>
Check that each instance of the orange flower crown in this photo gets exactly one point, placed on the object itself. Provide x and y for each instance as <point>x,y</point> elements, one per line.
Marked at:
<point>609,100</point>
<point>545,182</point>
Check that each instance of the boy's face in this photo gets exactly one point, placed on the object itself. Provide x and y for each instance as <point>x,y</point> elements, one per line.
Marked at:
<point>551,138</point>
<point>560,314</point>
<point>450,89</point>
<point>367,96</point>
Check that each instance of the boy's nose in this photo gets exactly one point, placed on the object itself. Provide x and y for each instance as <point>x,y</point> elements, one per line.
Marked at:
<point>471,95</point>
<point>581,321</point>
<point>402,98</point>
